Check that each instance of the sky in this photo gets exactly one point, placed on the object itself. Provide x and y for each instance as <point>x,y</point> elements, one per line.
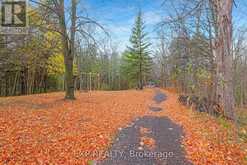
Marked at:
<point>118,16</point>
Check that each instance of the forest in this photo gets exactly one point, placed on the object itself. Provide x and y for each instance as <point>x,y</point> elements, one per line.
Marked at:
<point>191,54</point>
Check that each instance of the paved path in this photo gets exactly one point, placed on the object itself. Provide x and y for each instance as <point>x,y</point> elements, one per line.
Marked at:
<point>159,97</point>
<point>128,149</point>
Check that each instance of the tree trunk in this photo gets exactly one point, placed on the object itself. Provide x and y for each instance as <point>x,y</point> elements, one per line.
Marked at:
<point>224,57</point>
<point>68,53</point>
<point>141,81</point>
<point>212,86</point>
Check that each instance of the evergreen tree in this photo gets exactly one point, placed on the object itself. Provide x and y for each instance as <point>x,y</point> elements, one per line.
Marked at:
<point>137,58</point>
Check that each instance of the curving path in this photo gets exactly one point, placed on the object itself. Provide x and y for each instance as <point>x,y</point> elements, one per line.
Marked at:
<point>128,148</point>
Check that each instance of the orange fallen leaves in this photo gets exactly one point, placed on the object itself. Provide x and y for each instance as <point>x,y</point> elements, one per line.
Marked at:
<point>205,141</point>
<point>45,129</point>
<point>144,130</point>
<point>148,142</point>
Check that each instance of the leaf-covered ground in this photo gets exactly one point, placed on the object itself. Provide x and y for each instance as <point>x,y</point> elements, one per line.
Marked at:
<point>207,141</point>
<point>45,129</point>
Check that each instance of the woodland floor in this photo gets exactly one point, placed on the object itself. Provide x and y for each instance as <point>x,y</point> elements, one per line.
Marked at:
<point>45,129</point>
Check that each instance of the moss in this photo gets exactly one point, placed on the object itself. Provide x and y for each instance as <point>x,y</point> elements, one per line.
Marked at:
<point>223,122</point>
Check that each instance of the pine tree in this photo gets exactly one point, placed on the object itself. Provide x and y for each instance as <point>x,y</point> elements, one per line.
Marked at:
<point>138,58</point>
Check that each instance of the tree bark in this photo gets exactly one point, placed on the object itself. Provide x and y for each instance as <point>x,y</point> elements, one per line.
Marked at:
<point>224,57</point>
<point>68,52</point>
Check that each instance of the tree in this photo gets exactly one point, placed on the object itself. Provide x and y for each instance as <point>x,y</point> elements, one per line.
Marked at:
<point>138,56</point>
<point>68,47</point>
<point>209,27</point>
<point>224,56</point>
<point>56,20</point>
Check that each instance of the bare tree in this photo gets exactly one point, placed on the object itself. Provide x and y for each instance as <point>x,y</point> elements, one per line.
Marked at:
<point>224,56</point>
<point>68,35</point>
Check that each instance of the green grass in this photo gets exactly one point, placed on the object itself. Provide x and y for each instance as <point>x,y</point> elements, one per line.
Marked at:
<point>90,162</point>
<point>242,120</point>
<point>223,122</point>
